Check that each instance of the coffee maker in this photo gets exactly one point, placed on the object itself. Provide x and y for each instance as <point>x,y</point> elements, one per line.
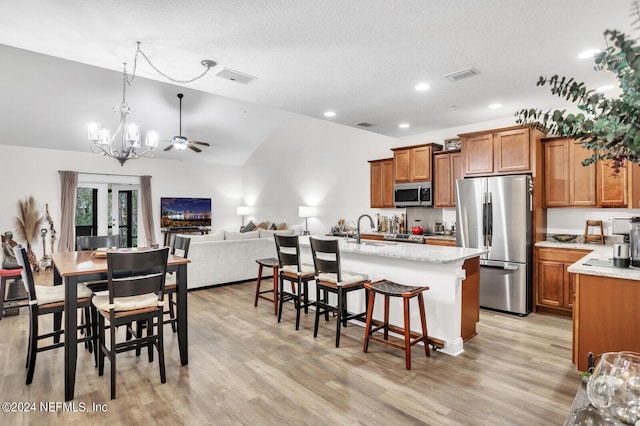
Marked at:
<point>634,241</point>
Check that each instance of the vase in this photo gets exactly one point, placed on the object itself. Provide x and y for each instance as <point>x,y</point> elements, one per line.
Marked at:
<point>614,387</point>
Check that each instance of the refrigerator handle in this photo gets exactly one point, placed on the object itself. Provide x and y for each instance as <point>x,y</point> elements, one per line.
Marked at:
<point>490,221</point>
<point>484,220</point>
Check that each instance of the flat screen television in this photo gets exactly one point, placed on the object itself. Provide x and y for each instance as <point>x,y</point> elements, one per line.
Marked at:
<point>182,212</point>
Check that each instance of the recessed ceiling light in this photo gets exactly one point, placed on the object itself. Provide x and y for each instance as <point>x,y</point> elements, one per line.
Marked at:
<point>404,125</point>
<point>495,106</point>
<point>422,87</point>
<point>330,114</point>
<point>604,88</point>
<point>590,53</point>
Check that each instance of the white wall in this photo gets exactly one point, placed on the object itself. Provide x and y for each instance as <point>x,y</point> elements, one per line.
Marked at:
<point>33,171</point>
<point>313,162</point>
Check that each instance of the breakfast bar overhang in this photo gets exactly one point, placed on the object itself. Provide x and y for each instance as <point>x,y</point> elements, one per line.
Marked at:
<point>451,273</point>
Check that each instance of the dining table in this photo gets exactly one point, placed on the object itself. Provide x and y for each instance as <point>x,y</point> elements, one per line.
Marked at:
<point>72,268</point>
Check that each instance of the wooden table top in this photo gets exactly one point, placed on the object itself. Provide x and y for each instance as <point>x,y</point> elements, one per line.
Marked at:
<point>86,262</point>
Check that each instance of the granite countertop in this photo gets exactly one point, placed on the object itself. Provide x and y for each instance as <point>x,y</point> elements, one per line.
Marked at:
<point>593,262</point>
<point>407,251</point>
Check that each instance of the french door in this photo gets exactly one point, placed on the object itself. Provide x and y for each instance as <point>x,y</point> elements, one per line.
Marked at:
<point>108,209</point>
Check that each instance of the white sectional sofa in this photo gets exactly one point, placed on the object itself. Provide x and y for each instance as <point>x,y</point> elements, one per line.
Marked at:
<point>226,257</point>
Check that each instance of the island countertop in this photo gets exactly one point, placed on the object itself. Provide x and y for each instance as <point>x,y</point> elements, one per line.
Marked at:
<point>406,251</point>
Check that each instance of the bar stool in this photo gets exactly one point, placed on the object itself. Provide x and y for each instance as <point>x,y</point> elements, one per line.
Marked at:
<point>8,274</point>
<point>391,289</point>
<point>270,262</point>
<point>330,278</point>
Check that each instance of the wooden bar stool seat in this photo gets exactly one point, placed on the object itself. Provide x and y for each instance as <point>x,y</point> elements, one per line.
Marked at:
<point>5,275</point>
<point>270,262</point>
<point>390,289</point>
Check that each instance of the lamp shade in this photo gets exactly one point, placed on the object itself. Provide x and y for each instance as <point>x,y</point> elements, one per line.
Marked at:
<point>307,211</point>
<point>243,210</point>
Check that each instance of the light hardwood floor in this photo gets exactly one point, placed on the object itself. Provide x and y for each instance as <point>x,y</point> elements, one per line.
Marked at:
<point>245,368</point>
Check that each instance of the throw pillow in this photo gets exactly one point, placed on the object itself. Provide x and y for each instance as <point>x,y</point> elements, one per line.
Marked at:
<point>281,226</point>
<point>273,226</point>
<point>249,227</point>
<point>263,225</point>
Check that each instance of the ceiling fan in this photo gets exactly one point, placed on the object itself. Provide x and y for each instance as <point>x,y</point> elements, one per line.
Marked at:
<point>181,142</point>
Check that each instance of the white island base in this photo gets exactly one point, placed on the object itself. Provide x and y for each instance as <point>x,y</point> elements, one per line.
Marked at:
<point>451,273</point>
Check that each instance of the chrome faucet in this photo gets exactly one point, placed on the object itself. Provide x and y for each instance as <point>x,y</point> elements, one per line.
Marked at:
<point>358,234</point>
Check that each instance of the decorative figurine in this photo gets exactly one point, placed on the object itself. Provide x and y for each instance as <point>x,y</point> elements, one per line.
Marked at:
<point>8,255</point>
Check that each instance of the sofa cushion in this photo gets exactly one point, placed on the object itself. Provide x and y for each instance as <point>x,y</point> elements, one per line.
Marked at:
<point>263,225</point>
<point>267,233</point>
<point>249,227</point>
<point>214,236</point>
<point>241,235</point>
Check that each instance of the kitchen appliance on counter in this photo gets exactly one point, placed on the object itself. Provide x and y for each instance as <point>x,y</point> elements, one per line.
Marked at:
<point>621,255</point>
<point>407,238</point>
<point>416,194</point>
<point>634,240</point>
<point>495,213</point>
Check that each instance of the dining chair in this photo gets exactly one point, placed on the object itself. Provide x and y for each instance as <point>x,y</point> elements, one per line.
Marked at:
<point>135,283</point>
<point>180,247</point>
<point>94,242</point>
<point>330,278</point>
<point>44,300</point>
<point>291,269</point>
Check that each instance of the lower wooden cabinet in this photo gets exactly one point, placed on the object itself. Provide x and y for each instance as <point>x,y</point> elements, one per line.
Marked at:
<point>440,242</point>
<point>554,286</point>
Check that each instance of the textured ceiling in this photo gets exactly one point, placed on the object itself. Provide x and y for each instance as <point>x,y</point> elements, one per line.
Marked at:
<point>360,59</point>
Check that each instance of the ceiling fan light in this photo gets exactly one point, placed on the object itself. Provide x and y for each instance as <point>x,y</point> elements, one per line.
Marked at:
<point>180,145</point>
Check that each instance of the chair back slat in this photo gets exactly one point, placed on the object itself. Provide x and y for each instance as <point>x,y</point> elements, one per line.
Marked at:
<point>288,250</point>
<point>93,242</point>
<point>326,256</point>
<point>180,246</point>
<point>136,273</point>
<point>27,274</point>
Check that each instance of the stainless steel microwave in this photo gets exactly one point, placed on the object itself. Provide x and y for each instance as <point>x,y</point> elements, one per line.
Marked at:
<point>416,194</point>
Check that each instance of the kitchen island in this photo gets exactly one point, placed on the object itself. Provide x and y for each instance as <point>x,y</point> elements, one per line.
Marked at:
<point>605,313</point>
<point>451,273</point>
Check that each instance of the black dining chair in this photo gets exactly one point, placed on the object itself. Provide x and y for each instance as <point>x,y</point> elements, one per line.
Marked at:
<point>135,294</point>
<point>44,300</point>
<point>180,247</point>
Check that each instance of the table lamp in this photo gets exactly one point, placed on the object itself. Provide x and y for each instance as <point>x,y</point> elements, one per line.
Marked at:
<point>306,212</point>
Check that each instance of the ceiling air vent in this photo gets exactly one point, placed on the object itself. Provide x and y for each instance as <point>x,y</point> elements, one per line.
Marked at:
<point>236,76</point>
<point>459,75</point>
<point>364,124</point>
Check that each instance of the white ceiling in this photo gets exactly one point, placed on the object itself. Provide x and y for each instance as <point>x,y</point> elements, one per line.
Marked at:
<point>359,58</point>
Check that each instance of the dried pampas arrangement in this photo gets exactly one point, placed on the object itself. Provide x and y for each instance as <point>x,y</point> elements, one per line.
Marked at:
<point>28,224</point>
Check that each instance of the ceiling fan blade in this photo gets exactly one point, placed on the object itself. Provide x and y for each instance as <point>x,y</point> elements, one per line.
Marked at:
<point>194,148</point>
<point>169,147</point>
<point>200,143</point>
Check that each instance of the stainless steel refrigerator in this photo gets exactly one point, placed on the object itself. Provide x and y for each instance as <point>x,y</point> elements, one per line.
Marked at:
<point>495,213</point>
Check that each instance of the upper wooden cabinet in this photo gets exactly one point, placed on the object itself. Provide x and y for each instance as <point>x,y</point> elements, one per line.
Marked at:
<point>499,152</point>
<point>567,182</point>
<point>381,183</point>
<point>413,163</point>
<point>612,189</point>
<point>447,167</point>
<point>570,184</point>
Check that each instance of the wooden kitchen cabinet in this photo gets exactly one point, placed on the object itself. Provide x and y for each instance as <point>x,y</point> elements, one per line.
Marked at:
<point>570,184</point>
<point>567,182</point>
<point>447,167</point>
<point>381,183</point>
<point>440,242</point>
<point>499,152</point>
<point>605,318</point>
<point>554,286</point>
<point>413,163</point>
<point>612,189</point>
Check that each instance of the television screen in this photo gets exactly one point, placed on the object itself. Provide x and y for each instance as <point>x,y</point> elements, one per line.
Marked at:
<point>185,212</point>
